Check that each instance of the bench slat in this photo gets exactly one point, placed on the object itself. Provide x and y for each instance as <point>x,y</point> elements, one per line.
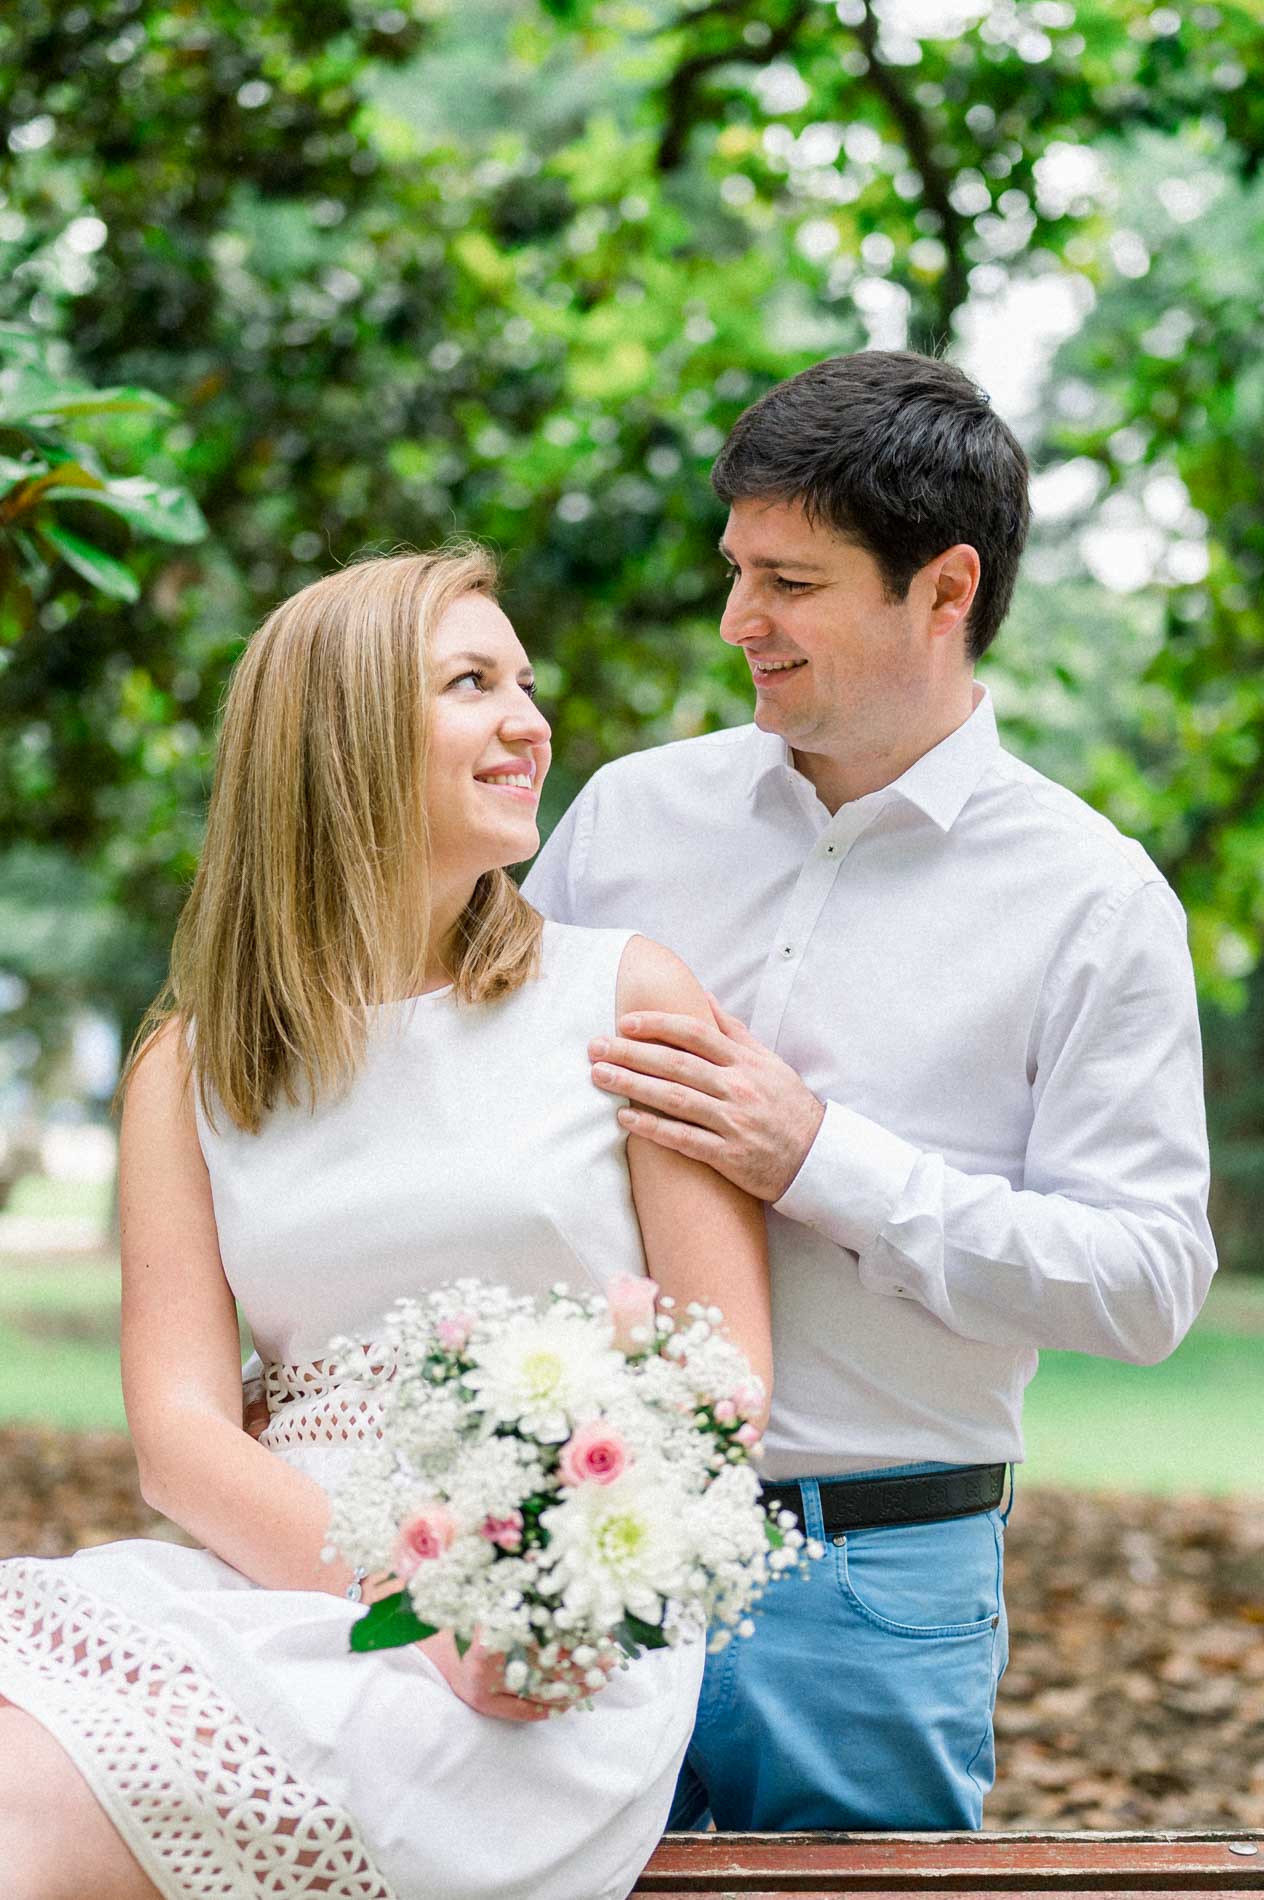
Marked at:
<point>915,1893</point>
<point>755,1864</point>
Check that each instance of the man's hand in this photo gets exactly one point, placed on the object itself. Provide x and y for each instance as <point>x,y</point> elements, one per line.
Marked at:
<point>713,1092</point>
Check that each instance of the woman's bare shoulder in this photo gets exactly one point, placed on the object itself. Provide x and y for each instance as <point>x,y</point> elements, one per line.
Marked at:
<point>159,1080</point>
<point>653,977</point>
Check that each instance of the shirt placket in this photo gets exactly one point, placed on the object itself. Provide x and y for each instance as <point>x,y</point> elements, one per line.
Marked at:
<point>799,918</point>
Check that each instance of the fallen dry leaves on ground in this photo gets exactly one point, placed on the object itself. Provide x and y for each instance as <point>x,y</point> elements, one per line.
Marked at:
<point>1135,1692</point>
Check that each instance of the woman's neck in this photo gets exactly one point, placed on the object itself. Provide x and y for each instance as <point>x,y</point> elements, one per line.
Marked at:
<point>446,910</point>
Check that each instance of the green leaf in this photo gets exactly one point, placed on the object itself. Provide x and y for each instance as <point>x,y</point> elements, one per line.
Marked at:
<point>12,471</point>
<point>101,569</point>
<point>774,1533</point>
<point>389,1624</point>
<point>168,513</point>
<point>634,1635</point>
<point>462,1643</point>
<point>30,401</point>
<point>21,345</point>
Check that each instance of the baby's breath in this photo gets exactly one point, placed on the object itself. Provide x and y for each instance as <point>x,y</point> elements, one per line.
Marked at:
<point>483,1390</point>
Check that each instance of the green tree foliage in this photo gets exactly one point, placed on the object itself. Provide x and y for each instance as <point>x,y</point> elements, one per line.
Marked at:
<point>48,480</point>
<point>513,268</point>
<point>1164,395</point>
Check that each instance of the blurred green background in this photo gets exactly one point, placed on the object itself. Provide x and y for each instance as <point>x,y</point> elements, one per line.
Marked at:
<point>280,284</point>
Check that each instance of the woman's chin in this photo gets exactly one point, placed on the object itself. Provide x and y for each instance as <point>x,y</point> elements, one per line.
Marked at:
<point>512,848</point>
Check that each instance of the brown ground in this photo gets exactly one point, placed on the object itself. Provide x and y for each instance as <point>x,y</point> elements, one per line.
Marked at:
<point>1135,1692</point>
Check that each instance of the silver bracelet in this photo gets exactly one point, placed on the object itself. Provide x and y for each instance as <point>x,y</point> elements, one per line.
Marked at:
<point>355,1589</point>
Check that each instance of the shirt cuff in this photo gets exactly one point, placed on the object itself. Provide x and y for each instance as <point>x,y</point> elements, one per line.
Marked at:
<point>851,1178</point>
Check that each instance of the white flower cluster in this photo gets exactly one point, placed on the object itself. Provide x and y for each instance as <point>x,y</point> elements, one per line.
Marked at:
<point>571,1482</point>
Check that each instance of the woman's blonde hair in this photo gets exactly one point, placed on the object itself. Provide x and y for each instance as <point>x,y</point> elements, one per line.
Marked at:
<point>312,897</point>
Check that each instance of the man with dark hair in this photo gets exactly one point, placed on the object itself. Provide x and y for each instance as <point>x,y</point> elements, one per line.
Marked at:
<point>900,454</point>
<point>955,1051</point>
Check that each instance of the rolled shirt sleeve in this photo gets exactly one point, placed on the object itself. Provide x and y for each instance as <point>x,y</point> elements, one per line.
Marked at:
<point>1105,1248</point>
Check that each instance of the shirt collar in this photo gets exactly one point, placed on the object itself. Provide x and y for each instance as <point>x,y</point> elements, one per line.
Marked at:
<point>939,783</point>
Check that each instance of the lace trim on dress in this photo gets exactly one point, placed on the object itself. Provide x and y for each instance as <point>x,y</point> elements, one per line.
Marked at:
<point>327,1401</point>
<point>224,1817</point>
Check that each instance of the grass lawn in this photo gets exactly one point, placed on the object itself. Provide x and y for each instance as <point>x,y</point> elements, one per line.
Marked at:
<point>1194,1423</point>
<point>59,1360</point>
<point>44,1197</point>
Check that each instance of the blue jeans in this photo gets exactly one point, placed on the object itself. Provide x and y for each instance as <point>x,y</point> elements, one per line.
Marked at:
<point>864,1699</point>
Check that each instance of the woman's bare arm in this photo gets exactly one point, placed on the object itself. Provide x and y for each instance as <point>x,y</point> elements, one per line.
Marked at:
<point>181,1360</point>
<point>704,1238</point>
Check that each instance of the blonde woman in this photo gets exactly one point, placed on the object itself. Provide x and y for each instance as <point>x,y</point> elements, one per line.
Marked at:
<point>369,1074</point>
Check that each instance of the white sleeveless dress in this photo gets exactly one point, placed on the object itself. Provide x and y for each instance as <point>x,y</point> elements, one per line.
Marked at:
<point>241,1751</point>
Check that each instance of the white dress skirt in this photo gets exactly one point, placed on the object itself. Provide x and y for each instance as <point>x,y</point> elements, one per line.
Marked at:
<point>238,1746</point>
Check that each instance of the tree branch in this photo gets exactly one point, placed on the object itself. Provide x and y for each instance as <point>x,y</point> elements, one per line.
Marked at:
<point>682,108</point>
<point>954,285</point>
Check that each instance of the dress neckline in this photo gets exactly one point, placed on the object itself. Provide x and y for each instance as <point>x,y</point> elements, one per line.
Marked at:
<point>423,996</point>
<point>434,996</point>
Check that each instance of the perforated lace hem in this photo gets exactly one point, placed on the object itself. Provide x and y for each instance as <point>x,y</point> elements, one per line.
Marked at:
<point>192,1786</point>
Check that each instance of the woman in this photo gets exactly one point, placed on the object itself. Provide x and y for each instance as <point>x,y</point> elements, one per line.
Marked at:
<point>369,1076</point>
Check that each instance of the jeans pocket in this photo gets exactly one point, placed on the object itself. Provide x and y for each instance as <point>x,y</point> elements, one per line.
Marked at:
<point>925,1580</point>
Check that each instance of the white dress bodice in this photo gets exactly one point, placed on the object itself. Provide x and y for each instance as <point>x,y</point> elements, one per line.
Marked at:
<point>471,1142</point>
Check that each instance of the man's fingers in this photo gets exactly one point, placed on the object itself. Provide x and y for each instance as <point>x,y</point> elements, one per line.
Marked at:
<point>671,1065</point>
<point>731,1024</point>
<point>682,1032</point>
<point>682,1137</point>
<point>675,1099</point>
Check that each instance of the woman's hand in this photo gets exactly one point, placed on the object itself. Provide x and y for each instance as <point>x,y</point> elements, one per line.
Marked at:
<point>255,1414</point>
<point>478,1678</point>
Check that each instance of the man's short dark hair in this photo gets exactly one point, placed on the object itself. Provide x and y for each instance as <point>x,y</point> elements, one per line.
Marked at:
<point>899,453</point>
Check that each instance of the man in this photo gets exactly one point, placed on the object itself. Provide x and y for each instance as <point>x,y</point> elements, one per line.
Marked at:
<point>955,1051</point>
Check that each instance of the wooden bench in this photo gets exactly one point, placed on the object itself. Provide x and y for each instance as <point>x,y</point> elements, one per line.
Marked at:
<point>1145,1866</point>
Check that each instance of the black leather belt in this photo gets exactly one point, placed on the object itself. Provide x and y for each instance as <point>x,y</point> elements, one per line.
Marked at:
<point>869,1504</point>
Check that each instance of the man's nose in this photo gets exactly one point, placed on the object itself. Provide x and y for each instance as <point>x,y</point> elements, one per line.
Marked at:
<point>743,618</point>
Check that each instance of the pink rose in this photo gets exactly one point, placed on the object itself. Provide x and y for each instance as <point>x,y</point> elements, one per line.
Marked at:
<point>725,1412</point>
<point>748,1435</point>
<point>505,1531</point>
<point>749,1399</point>
<point>631,1301</point>
<point>454,1333</point>
<point>427,1534</point>
<point>594,1454</point>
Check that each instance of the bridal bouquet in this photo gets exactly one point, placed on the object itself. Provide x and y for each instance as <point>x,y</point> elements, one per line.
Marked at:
<point>571,1481</point>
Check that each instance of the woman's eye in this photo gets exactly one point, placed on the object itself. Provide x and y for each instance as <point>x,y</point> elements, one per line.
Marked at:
<point>791,587</point>
<point>480,678</point>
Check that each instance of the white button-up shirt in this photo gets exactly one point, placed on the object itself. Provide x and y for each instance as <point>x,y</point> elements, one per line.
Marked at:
<point>989,987</point>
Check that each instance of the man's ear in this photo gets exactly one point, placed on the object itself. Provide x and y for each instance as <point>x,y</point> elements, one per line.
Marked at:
<point>954,582</point>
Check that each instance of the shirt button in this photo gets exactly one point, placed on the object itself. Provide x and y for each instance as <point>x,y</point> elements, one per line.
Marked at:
<point>787,949</point>
<point>900,1290</point>
<point>831,850</point>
